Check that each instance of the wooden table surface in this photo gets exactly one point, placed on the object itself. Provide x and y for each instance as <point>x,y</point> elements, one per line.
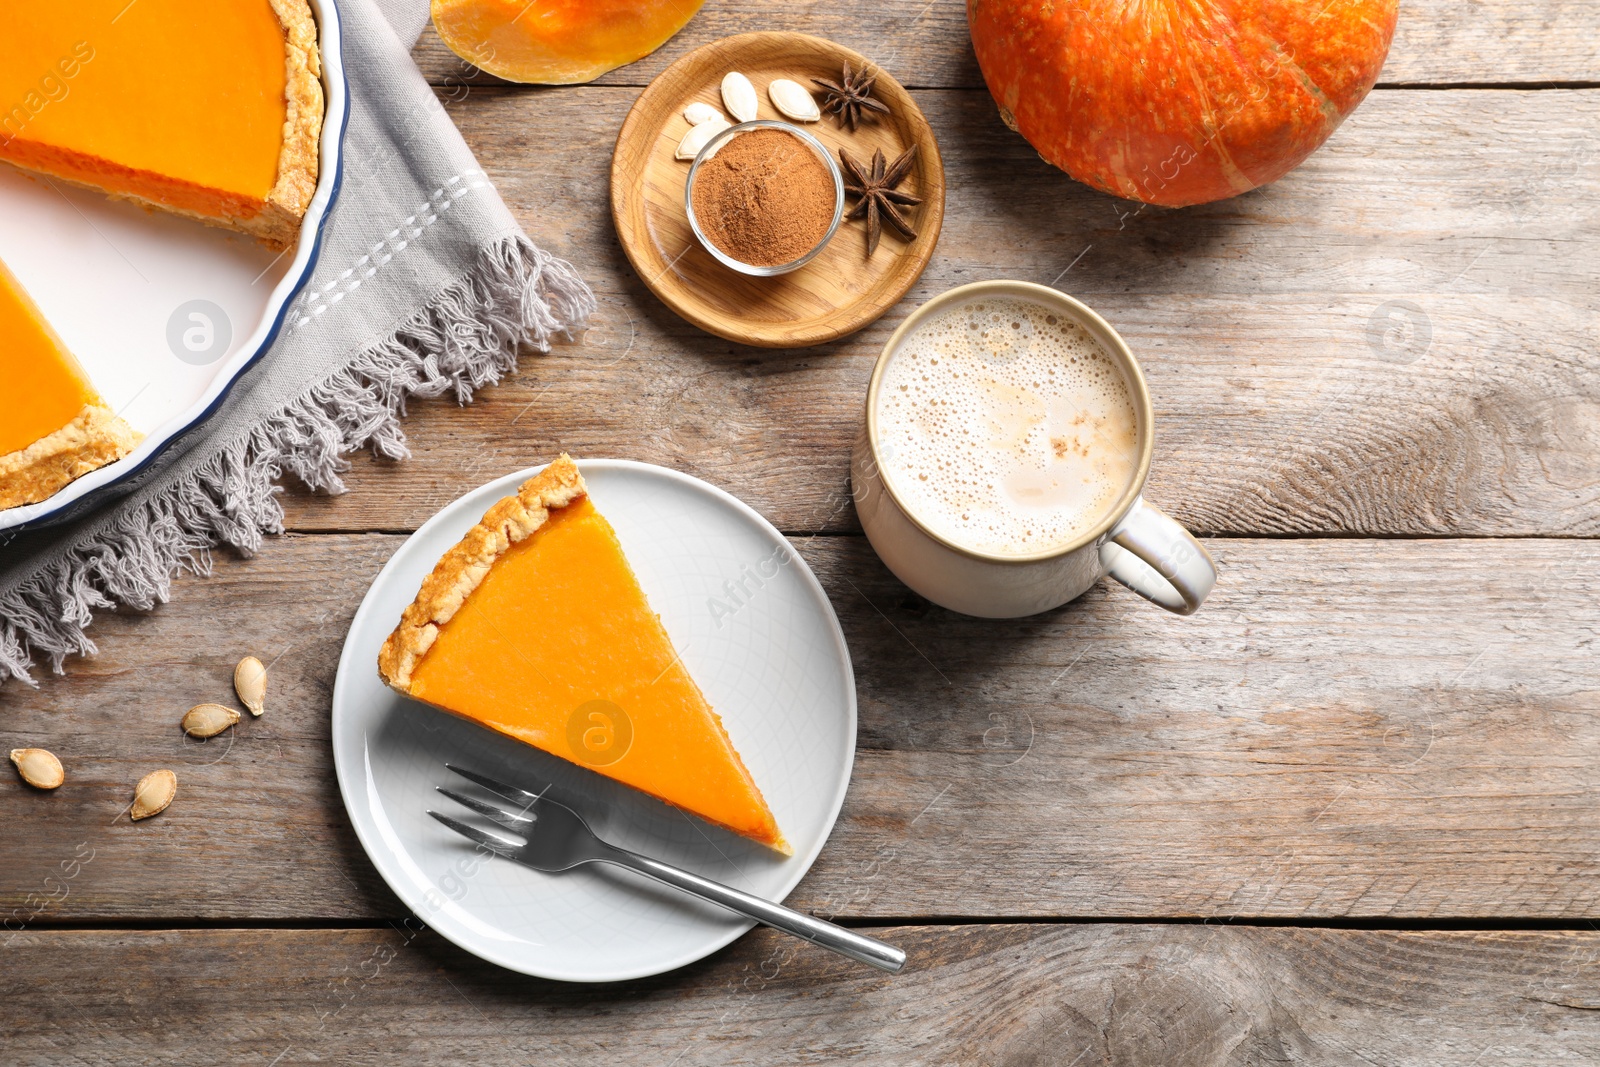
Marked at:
<point>1346,815</point>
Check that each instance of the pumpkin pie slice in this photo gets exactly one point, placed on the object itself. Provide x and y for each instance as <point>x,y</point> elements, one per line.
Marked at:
<point>535,626</point>
<point>204,109</point>
<point>54,427</point>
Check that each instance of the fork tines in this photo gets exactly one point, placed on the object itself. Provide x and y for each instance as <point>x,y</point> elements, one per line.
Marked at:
<point>510,792</point>
<point>497,845</point>
<point>510,820</point>
<point>520,820</point>
<point>517,821</point>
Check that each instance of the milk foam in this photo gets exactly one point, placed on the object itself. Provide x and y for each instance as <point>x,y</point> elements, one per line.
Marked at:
<point>1005,428</point>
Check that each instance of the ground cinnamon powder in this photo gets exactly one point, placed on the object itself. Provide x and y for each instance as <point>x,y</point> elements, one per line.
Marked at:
<point>765,198</point>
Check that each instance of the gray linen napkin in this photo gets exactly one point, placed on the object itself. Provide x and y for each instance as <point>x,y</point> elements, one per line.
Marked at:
<point>426,285</point>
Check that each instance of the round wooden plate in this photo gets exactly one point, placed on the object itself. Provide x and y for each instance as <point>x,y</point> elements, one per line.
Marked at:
<point>835,294</point>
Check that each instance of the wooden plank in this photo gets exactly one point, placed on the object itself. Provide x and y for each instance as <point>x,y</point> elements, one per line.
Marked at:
<point>1102,994</point>
<point>924,42</point>
<point>1395,729</point>
<point>1291,392</point>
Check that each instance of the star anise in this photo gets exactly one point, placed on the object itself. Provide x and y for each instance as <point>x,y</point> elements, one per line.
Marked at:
<point>878,196</point>
<point>849,96</point>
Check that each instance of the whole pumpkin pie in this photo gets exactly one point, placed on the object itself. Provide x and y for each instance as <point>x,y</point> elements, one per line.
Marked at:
<point>535,626</point>
<point>54,427</point>
<point>210,110</point>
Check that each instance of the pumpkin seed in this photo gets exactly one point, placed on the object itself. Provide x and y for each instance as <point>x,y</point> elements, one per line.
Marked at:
<point>791,98</point>
<point>250,682</point>
<point>739,96</point>
<point>699,112</point>
<point>38,767</point>
<point>696,138</point>
<point>153,793</point>
<point>208,720</point>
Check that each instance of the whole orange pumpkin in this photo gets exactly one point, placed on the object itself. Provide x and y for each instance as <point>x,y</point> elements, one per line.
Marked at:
<point>1178,102</point>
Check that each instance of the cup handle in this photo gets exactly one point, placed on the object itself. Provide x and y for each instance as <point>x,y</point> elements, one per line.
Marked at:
<point>1161,561</point>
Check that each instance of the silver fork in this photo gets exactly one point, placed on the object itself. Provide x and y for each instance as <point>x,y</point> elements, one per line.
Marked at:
<point>555,838</point>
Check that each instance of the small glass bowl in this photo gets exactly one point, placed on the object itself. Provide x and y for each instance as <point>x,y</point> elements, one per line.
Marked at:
<point>810,142</point>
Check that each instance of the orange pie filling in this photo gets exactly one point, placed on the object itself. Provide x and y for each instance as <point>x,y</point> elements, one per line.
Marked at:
<point>202,109</point>
<point>53,425</point>
<point>552,642</point>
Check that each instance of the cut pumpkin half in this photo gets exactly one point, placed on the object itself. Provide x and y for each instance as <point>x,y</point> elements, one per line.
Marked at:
<point>557,42</point>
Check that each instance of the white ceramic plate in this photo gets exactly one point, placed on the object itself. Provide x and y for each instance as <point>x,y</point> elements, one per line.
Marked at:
<point>164,313</point>
<point>772,661</point>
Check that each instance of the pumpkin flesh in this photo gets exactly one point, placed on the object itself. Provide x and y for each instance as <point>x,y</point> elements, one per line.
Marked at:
<point>557,42</point>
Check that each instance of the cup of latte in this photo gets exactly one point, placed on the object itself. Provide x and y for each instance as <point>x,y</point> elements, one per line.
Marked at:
<point>1007,441</point>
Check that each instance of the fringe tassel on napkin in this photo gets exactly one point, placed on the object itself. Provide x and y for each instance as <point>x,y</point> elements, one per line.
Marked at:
<point>468,338</point>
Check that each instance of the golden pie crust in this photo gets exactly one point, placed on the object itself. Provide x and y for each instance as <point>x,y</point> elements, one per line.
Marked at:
<point>277,224</point>
<point>459,572</point>
<point>96,436</point>
<point>586,636</point>
<point>276,218</point>
<point>91,440</point>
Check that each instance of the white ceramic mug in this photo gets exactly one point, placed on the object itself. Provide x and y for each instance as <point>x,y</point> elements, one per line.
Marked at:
<point>1135,542</point>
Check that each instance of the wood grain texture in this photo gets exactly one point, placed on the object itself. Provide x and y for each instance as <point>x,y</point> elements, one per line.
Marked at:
<point>1398,338</point>
<point>1348,729</point>
<point>839,291</point>
<point>924,42</point>
<point>1184,996</point>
